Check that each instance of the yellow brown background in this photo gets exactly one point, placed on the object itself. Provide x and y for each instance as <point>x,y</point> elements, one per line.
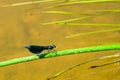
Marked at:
<point>22,25</point>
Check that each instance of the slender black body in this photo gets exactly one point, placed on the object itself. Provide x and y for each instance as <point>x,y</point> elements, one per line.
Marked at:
<point>38,49</point>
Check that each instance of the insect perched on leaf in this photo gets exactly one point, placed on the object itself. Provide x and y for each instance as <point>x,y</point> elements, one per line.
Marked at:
<point>35,49</point>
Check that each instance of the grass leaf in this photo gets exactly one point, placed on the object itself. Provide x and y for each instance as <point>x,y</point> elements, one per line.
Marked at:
<point>65,21</point>
<point>85,2</point>
<point>94,32</point>
<point>88,24</point>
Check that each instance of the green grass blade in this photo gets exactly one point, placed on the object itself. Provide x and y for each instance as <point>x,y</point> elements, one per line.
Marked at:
<point>86,2</point>
<point>78,13</point>
<point>94,32</point>
<point>75,19</point>
<point>112,11</point>
<point>96,66</point>
<point>65,21</point>
<point>59,12</point>
<point>88,24</point>
<point>61,53</point>
<point>26,3</point>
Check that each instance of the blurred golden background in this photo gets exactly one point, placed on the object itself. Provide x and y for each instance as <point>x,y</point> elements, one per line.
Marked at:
<point>22,25</point>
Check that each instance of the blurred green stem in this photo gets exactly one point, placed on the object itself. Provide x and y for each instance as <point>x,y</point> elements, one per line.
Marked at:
<point>82,63</point>
<point>96,66</point>
<point>61,53</point>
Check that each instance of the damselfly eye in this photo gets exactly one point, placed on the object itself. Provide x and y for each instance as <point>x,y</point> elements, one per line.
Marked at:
<point>53,46</point>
